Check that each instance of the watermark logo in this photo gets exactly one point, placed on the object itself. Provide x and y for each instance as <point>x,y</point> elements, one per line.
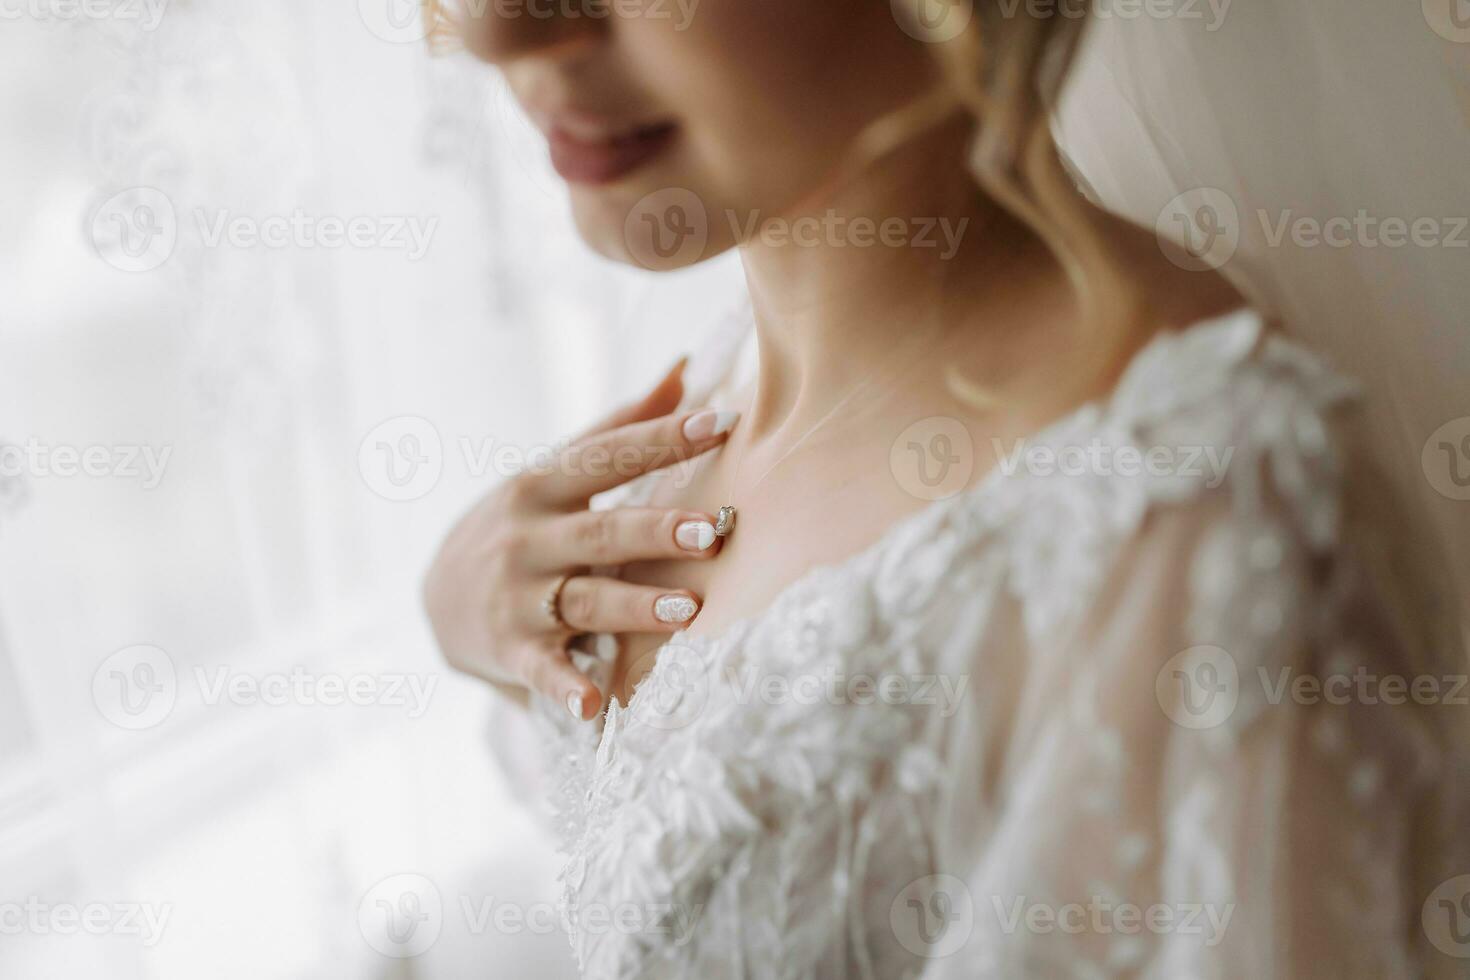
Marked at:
<point>394,21</point>
<point>673,692</point>
<point>136,687</point>
<point>934,458</point>
<point>933,916</point>
<point>1446,917</point>
<point>401,916</point>
<point>136,230</point>
<point>1199,230</point>
<point>402,459</point>
<point>667,229</point>
<point>1450,19</point>
<point>1202,686</point>
<point>1446,459</point>
<point>1199,687</point>
<point>933,21</point>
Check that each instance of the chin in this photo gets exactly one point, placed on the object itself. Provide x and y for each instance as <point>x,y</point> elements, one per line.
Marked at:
<point>660,226</point>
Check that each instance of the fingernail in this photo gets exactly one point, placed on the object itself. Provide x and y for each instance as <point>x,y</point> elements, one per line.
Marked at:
<point>574,705</point>
<point>674,608</point>
<point>695,535</point>
<point>708,424</point>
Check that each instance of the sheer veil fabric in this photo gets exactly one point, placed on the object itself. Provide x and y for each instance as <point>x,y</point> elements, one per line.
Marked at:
<point>1292,142</point>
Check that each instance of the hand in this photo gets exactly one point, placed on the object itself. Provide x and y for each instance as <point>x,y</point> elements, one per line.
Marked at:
<point>484,591</point>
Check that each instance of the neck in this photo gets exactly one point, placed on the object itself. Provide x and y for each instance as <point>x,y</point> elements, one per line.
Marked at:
<point>873,274</point>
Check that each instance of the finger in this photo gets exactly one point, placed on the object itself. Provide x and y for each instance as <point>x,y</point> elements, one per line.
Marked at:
<point>661,400</point>
<point>607,605</point>
<point>612,458</point>
<point>549,671</point>
<point>622,535</point>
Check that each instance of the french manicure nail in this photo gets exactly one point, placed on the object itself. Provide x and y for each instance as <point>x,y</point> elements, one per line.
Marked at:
<point>674,608</point>
<point>695,535</point>
<point>574,705</point>
<point>708,424</point>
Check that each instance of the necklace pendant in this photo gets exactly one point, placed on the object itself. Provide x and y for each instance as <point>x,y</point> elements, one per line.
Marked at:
<point>725,522</point>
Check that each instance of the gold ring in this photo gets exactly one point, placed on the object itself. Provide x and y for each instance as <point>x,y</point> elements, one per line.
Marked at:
<point>551,605</point>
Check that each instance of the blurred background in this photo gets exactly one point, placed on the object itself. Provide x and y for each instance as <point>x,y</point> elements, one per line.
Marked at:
<point>280,295</point>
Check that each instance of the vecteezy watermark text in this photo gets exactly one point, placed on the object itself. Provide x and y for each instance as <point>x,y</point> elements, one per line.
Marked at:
<point>42,460</point>
<point>138,229</point>
<point>1202,686</point>
<point>1099,459</point>
<point>405,233</point>
<point>1363,230</point>
<point>138,687</point>
<point>1203,228</point>
<point>403,916</point>
<point>403,458</point>
<point>38,918</point>
<point>298,686</point>
<point>841,231</point>
<point>147,14</point>
<point>1101,917</point>
<point>833,687</point>
<point>681,12</point>
<point>1211,12</point>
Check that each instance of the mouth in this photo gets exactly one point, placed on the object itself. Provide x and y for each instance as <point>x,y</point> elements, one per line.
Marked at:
<point>589,150</point>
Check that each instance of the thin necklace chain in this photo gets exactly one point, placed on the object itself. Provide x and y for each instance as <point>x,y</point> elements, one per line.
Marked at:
<point>727,515</point>
<point>740,460</point>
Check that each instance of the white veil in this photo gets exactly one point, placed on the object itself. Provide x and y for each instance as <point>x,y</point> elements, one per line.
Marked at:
<point>1263,112</point>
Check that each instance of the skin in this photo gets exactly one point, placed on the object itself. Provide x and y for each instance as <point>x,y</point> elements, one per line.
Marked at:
<point>768,100</point>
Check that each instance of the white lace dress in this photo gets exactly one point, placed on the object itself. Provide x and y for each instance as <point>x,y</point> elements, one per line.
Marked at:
<point>1056,726</point>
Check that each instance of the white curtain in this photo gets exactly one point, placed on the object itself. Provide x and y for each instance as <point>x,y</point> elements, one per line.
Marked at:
<point>177,310</point>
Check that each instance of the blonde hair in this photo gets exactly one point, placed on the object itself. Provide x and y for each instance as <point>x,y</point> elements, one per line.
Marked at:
<point>1007,69</point>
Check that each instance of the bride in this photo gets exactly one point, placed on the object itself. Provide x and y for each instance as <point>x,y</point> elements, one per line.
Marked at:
<point>1028,609</point>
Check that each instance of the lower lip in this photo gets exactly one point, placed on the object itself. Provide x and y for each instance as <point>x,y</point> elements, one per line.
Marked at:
<point>581,162</point>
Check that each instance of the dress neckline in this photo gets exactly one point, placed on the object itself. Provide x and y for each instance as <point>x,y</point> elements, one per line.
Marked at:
<point>1230,337</point>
